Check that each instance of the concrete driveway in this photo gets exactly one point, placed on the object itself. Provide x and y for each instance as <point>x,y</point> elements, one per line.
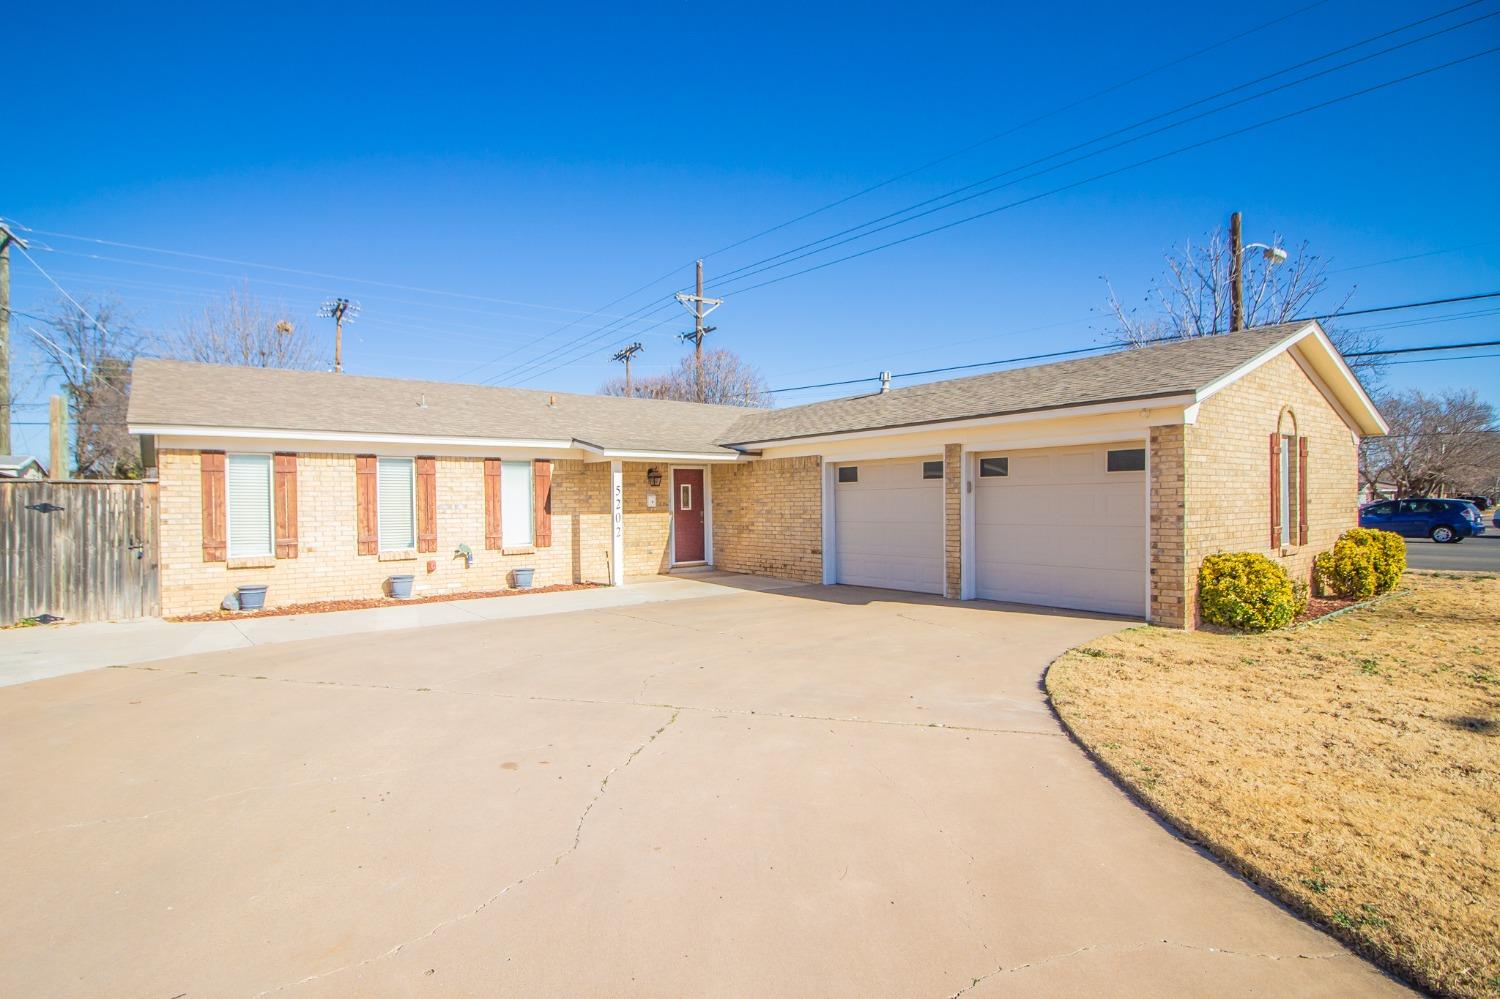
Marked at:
<point>795,792</point>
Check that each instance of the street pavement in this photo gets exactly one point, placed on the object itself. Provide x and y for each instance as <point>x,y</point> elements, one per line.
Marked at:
<point>1481,554</point>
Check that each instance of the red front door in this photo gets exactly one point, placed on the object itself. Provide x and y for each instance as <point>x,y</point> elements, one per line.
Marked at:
<point>687,514</point>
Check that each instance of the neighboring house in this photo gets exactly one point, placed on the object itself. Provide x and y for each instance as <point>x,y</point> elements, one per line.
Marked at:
<point>1096,484</point>
<point>21,466</point>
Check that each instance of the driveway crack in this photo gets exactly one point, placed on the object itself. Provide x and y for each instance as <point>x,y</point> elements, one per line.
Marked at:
<point>497,896</point>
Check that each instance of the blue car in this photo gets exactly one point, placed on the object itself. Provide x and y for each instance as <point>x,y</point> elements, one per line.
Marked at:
<point>1443,520</point>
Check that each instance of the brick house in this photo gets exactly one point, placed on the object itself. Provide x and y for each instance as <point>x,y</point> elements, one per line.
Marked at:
<point>1095,484</point>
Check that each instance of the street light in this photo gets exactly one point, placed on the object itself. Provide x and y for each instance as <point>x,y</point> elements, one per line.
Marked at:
<point>1273,255</point>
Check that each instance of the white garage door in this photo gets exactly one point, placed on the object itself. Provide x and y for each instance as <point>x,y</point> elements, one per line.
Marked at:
<point>1056,527</point>
<point>888,526</point>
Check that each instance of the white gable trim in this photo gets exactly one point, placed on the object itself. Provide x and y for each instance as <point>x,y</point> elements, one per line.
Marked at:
<point>1371,424</point>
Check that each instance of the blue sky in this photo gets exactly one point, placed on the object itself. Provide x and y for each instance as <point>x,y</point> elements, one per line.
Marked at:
<point>524,168</point>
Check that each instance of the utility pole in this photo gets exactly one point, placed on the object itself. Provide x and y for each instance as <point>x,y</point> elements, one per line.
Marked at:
<point>5,241</point>
<point>625,355</point>
<point>1236,276</point>
<point>339,309</point>
<point>695,304</point>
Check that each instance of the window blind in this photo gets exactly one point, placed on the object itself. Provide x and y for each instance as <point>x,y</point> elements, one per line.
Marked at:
<point>395,504</point>
<point>248,488</point>
<point>515,504</point>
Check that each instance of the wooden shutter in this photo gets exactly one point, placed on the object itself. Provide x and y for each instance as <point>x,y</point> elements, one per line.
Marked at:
<point>1275,490</point>
<point>364,501</point>
<point>492,504</point>
<point>211,464</point>
<point>426,504</point>
<point>285,494</point>
<point>541,477</point>
<point>1301,490</point>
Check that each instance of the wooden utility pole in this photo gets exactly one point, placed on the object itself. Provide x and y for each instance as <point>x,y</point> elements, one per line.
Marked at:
<point>5,240</point>
<point>695,303</point>
<point>59,430</point>
<point>625,354</point>
<point>1236,275</point>
<point>339,309</point>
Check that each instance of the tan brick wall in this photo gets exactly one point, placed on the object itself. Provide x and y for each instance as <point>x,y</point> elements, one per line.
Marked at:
<point>329,568</point>
<point>768,518</point>
<point>1168,496</point>
<point>1226,475</point>
<point>952,521</point>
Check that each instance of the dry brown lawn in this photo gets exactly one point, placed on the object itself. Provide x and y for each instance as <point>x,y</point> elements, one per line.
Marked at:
<point>1351,766</point>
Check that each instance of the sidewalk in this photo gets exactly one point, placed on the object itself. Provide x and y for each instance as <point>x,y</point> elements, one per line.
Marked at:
<point>28,654</point>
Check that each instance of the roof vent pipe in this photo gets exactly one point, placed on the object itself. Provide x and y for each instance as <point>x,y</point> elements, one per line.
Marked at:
<point>885,382</point>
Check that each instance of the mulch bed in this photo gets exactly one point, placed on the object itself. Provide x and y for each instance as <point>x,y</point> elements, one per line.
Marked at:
<point>324,606</point>
<point>1319,606</point>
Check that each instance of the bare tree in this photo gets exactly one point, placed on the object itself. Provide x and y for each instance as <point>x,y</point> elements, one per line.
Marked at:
<point>240,329</point>
<point>90,350</point>
<point>728,379</point>
<point>1437,444</point>
<point>1193,298</point>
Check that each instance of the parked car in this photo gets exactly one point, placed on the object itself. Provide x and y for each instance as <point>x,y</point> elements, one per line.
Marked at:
<point>1442,520</point>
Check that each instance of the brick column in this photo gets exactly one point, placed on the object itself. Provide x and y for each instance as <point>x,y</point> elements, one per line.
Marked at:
<point>953,485</point>
<point>1171,603</point>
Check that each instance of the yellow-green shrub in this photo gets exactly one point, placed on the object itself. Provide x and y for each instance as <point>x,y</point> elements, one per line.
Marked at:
<point>1361,563</point>
<point>1248,591</point>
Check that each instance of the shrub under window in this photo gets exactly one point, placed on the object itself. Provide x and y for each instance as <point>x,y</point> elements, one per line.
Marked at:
<point>1247,591</point>
<point>1361,563</point>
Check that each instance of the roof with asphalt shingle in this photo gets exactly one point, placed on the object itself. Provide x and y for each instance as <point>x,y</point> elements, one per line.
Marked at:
<point>1168,369</point>
<point>185,394</point>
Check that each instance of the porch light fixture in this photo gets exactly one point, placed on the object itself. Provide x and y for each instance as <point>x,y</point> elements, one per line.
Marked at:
<point>653,476</point>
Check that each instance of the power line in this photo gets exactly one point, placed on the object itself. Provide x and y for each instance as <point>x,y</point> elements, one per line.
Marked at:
<point>590,337</point>
<point>1423,350</point>
<point>275,267</point>
<point>1168,339</point>
<point>908,173</point>
<point>1410,305</point>
<point>729,276</point>
<point>1021,126</point>
<point>1460,357</point>
<point>1234,133</point>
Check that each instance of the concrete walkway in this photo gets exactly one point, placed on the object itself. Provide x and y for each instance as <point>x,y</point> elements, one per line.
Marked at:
<point>28,654</point>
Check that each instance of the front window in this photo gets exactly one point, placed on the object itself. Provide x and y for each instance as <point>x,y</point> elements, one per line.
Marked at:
<point>248,504</point>
<point>1288,497</point>
<point>396,501</point>
<point>516,497</point>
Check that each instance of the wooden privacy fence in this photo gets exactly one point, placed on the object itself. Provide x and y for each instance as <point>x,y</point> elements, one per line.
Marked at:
<point>80,550</point>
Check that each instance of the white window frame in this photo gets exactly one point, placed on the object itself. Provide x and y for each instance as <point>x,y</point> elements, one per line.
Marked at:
<point>229,548</point>
<point>412,501</point>
<point>1288,497</point>
<point>507,539</point>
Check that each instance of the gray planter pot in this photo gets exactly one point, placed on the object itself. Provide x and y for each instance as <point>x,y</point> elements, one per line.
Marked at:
<point>252,598</point>
<point>401,586</point>
<point>523,578</point>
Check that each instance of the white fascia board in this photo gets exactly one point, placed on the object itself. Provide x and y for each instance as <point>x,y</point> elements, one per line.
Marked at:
<point>606,454</point>
<point>1343,376</point>
<point>1054,413</point>
<point>344,437</point>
